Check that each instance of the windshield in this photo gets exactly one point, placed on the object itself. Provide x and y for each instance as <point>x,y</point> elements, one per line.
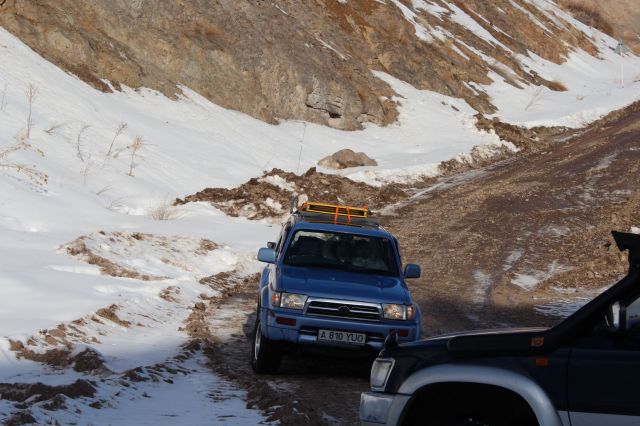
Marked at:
<point>348,252</point>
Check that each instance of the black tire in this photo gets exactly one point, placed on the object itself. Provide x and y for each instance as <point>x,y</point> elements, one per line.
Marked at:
<point>265,354</point>
<point>469,405</point>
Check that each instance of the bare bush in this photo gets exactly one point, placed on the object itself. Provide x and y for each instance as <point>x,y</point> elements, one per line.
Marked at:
<point>104,190</point>
<point>115,204</point>
<point>121,128</point>
<point>79,141</point>
<point>86,171</point>
<point>137,144</point>
<point>534,97</point>
<point>32,94</point>
<point>3,97</point>
<point>54,127</point>
<point>30,172</point>
<point>165,211</point>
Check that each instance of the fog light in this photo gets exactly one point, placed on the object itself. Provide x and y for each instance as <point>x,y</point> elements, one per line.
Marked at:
<point>285,321</point>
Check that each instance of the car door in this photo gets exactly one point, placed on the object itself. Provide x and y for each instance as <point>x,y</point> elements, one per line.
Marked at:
<point>604,376</point>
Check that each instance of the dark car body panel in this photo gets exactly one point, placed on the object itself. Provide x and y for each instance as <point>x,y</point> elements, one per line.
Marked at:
<point>583,364</point>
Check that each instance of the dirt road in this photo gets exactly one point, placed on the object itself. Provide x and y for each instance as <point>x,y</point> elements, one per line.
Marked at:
<point>527,235</point>
<point>309,390</point>
<point>501,246</point>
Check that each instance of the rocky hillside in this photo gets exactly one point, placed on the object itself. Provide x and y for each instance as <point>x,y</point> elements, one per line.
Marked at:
<point>619,18</point>
<point>285,59</point>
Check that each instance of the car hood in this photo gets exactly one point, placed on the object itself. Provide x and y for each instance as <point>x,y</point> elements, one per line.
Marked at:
<point>439,340</point>
<point>486,332</point>
<point>478,343</point>
<point>335,284</point>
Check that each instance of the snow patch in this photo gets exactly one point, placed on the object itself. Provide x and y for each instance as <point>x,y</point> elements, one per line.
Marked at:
<point>529,282</point>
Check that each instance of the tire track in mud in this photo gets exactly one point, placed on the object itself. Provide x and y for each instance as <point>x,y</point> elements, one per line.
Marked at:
<point>475,233</point>
<point>311,390</point>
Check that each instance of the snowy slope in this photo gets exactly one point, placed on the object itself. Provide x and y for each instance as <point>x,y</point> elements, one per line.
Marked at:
<point>190,144</point>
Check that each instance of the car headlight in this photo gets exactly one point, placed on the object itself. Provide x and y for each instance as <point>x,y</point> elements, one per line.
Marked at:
<point>291,301</point>
<point>399,312</point>
<point>380,373</point>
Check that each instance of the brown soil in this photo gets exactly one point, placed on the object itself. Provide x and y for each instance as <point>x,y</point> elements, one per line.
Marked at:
<point>110,314</point>
<point>88,361</point>
<point>249,198</point>
<point>544,214</point>
<point>54,357</point>
<point>37,392</point>
<point>617,18</point>
<point>107,267</point>
<point>310,391</point>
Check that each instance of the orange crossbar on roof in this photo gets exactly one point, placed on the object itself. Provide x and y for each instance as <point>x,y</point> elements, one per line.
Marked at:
<point>336,210</point>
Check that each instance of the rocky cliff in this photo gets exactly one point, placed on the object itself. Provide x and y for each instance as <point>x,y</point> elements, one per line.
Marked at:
<point>289,59</point>
<point>618,18</point>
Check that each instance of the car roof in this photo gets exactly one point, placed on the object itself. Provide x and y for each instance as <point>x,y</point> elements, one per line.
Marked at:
<point>369,228</point>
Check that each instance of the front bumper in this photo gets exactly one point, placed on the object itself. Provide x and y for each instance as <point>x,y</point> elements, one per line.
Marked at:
<point>305,331</point>
<point>381,408</point>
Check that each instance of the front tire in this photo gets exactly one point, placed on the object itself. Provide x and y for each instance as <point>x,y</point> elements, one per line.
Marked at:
<point>457,404</point>
<point>265,354</point>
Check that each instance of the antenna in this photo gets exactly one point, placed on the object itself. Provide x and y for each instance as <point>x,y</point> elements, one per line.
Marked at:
<point>304,132</point>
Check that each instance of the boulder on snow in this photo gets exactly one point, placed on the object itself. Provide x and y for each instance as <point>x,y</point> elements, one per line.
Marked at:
<point>346,158</point>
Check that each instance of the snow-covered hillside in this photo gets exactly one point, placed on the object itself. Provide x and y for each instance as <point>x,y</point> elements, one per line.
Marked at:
<point>74,175</point>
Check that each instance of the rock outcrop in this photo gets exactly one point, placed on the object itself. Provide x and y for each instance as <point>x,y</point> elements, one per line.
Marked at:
<point>346,158</point>
<point>286,59</point>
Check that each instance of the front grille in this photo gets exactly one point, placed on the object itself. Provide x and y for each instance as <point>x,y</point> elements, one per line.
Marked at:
<point>344,309</point>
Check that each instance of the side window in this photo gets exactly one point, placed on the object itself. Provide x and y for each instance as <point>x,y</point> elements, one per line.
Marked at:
<point>283,238</point>
<point>633,315</point>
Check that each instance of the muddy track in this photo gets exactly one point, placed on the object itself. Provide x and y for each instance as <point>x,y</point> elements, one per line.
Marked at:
<point>500,245</point>
<point>310,389</point>
<point>495,245</point>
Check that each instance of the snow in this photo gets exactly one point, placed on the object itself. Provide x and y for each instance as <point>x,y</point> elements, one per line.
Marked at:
<point>531,16</point>
<point>460,17</point>
<point>279,182</point>
<point>529,281</point>
<point>190,144</point>
<point>328,46</point>
<point>433,9</point>
<point>193,397</point>
<point>421,32</point>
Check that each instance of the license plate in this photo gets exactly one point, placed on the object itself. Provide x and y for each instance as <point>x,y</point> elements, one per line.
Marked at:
<point>347,337</point>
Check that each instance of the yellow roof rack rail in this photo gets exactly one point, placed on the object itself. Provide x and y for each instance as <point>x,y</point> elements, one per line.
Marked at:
<point>339,212</point>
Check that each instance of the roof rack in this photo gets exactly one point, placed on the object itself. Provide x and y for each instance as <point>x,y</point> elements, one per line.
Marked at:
<point>343,215</point>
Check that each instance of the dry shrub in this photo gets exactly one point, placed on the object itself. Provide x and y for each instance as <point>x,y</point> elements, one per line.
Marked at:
<point>54,127</point>
<point>31,93</point>
<point>135,146</point>
<point>121,128</point>
<point>588,16</point>
<point>165,211</point>
<point>3,97</point>
<point>557,86</point>
<point>35,176</point>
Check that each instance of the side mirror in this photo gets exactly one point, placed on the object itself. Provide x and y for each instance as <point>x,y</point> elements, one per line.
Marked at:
<point>412,271</point>
<point>271,244</point>
<point>267,255</point>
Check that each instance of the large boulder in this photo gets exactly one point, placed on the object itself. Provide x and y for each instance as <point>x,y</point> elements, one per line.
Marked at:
<point>347,158</point>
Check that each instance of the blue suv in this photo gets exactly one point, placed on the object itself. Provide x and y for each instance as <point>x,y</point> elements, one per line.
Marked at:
<point>333,279</point>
